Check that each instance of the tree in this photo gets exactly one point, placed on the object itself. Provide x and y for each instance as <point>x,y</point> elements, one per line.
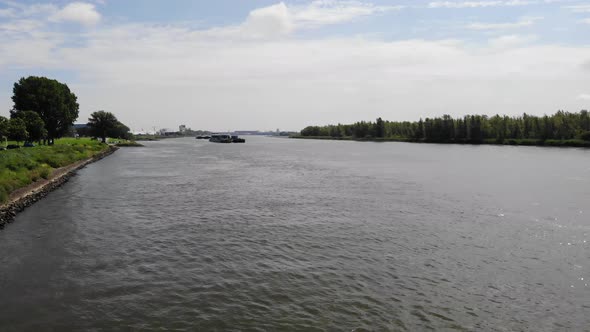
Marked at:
<point>311,131</point>
<point>119,131</point>
<point>3,127</point>
<point>33,123</point>
<point>52,100</point>
<point>379,128</point>
<point>17,130</point>
<point>101,122</point>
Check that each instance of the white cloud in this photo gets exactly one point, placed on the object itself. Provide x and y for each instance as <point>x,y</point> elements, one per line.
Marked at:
<point>20,26</point>
<point>7,12</point>
<point>16,10</point>
<point>222,79</point>
<point>581,8</point>
<point>511,41</point>
<point>291,83</point>
<point>78,12</point>
<point>584,96</point>
<point>477,4</point>
<point>271,20</point>
<point>281,19</point>
<point>332,12</point>
<point>585,21</point>
<point>524,22</point>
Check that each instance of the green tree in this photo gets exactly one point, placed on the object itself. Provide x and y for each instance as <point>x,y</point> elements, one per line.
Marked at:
<point>379,128</point>
<point>474,129</point>
<point>119,131</point>
<point>101,122</point>
<point>311,131</point>
<point>3,127</point>
<point>17,130</point>
<point>33,123</point>
<point>53,101</point>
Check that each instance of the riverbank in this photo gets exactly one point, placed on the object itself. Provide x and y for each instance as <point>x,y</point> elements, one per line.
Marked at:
<point>523,142</point>
<point>129,144</point>
<point>25,196</point>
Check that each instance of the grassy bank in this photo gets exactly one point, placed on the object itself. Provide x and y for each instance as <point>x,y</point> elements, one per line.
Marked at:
<point>525,142</point>
<point>147,137</point>
<point>126,143</point>
<point>20,167</point>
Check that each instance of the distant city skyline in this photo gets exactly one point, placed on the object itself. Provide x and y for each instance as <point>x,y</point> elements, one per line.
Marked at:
<point>262,65</point>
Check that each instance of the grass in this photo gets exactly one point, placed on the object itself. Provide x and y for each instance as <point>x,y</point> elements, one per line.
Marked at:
<point>20,167</point>
<point>124,143</point>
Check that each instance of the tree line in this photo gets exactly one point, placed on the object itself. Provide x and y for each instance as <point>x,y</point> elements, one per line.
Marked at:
<point>45,109</point>
<point>473,129</point>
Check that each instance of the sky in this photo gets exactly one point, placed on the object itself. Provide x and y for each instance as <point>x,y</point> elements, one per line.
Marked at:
<point>266,65</point>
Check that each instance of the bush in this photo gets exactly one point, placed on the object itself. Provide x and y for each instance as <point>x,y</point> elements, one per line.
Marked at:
<point>45,171</point>
<point>3,195</point>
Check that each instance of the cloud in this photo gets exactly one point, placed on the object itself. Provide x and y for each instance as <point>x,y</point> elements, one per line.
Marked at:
<point>222,78</point>
<point>282,19</point>
<point>20,26</point>
<point>271,20</point>
<point>584,96</point>
<point>20,10</point>
<point>77,12</point>
<point>293,82</point>
<point>478,4</point>
<point>585,8</point>
<point>7,12</point>
<point>511,41</point>
<point>333,12</point>
<point>524,22</point>
<point>585,21</point>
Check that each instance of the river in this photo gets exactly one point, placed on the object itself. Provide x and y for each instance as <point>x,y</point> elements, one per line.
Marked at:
<point>304,235</point>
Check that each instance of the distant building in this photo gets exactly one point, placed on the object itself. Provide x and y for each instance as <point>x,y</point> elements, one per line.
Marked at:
<point>167,132</point>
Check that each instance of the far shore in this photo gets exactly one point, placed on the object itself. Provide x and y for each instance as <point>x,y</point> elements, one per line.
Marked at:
<point>514,142</point>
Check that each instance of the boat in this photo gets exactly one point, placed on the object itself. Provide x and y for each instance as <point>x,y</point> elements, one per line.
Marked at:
<point>220,138</point>
<point>203,137</point>
<point>236,139</point>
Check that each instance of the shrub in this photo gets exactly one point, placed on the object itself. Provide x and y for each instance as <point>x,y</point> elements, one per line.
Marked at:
<point>3,195</point>
<point>45,171</point>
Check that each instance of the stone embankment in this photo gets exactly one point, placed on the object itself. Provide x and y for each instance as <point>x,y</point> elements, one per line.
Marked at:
<point>27,196</point>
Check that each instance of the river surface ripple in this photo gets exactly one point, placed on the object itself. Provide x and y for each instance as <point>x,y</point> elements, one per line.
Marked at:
<point>302,235</point>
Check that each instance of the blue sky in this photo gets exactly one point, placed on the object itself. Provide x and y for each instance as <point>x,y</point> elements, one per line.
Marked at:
<point>267,64</point>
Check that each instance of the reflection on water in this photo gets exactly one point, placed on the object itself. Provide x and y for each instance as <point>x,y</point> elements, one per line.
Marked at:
<point>280,234</point>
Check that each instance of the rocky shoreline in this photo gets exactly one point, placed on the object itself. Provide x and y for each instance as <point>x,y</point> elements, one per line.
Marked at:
<point>25,197</point>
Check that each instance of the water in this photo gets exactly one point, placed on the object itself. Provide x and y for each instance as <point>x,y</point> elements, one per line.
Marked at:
<point>280,234</point>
